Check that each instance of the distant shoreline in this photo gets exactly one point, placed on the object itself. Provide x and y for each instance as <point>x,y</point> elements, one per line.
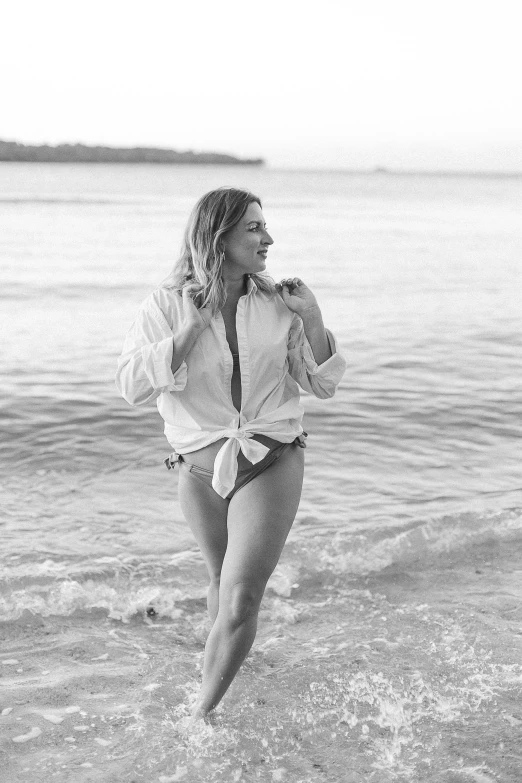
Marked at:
<point>13,152</point>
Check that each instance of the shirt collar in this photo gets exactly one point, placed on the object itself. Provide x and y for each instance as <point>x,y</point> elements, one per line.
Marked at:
<point>251,286</point>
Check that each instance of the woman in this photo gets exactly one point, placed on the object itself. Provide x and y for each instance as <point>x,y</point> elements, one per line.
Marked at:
<point>223,350</point>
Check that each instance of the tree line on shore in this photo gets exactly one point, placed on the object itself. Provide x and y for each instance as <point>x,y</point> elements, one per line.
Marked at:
<point>12,151</point>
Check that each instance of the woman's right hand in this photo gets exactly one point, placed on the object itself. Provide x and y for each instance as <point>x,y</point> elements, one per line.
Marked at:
<point>195,319</point>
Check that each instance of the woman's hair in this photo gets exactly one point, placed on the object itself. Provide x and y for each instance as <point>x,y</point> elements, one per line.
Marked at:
<point>202,252</point>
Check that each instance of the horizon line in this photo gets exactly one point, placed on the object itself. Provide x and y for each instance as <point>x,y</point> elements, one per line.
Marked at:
<point>374,171</point>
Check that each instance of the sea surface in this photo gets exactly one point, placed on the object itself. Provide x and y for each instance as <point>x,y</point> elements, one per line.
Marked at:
<point>390,636</point>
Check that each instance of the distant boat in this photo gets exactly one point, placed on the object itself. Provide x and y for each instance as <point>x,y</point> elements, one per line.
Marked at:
<point>380,170</point>
<point>11,151</point>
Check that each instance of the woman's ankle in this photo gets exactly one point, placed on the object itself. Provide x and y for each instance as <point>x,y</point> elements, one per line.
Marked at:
<point>200,712</point>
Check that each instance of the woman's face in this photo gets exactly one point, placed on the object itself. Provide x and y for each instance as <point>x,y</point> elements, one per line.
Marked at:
<point>246,245</point>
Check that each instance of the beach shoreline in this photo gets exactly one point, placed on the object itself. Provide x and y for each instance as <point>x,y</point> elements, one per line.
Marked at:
<point>395,663</point>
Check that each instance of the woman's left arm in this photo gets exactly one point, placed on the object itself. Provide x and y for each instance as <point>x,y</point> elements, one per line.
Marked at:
<point>314,361</point>
<point>298,298</point>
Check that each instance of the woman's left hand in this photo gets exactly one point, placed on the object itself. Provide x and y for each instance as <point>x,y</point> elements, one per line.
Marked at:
<point>296,295</point>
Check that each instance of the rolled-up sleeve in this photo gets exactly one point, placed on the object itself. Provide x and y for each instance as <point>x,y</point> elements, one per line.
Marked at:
<point>144,367</point>
<point>318,379</point>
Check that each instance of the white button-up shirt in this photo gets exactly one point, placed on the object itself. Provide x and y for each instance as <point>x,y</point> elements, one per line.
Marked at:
<point>196,402</point>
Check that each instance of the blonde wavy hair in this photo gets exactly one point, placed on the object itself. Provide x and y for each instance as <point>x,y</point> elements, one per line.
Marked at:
<point>203,253</point>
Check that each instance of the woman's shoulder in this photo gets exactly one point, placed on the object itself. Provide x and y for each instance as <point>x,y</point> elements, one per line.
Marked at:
<point>162,303</point>
<point>164,299</point>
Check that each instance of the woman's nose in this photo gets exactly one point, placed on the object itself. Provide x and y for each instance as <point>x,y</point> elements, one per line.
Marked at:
<point>268,239</point>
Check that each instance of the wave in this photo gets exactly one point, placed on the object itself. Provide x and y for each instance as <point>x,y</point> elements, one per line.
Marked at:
<point>125,587</point>
<point>448,535</point>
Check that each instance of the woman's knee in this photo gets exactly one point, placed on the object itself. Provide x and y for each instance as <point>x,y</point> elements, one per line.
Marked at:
<point>240,602</point>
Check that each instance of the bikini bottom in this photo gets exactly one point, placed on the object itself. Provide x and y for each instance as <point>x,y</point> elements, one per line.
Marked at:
<point>243,476</point>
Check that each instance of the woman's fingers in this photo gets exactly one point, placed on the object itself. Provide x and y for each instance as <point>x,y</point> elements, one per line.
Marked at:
<point>192,302</point>
<point>187,289</point>
<point>291,282</point>
<point>190,292</point>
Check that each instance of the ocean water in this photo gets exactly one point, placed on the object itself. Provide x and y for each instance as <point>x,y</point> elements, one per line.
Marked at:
<point>390,638</point>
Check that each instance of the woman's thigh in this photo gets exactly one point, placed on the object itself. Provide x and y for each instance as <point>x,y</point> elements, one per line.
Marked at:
<point>260,516</point>
<point>206,513</point>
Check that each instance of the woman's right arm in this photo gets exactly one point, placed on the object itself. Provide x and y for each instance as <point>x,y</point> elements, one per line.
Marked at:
<point>153,356</point>
<point>192,323</point>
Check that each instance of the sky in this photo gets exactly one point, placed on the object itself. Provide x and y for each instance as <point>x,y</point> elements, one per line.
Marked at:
<point>323,84</point>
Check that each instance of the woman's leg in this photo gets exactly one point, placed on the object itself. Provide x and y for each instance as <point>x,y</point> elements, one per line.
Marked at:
<point>260,516</point>
<point>206,514</point>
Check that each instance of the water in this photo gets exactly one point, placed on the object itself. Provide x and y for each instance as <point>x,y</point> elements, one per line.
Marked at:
<point>390,635</point>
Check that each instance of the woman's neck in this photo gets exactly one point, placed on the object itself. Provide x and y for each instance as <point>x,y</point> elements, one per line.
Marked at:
<point>235,287</point>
